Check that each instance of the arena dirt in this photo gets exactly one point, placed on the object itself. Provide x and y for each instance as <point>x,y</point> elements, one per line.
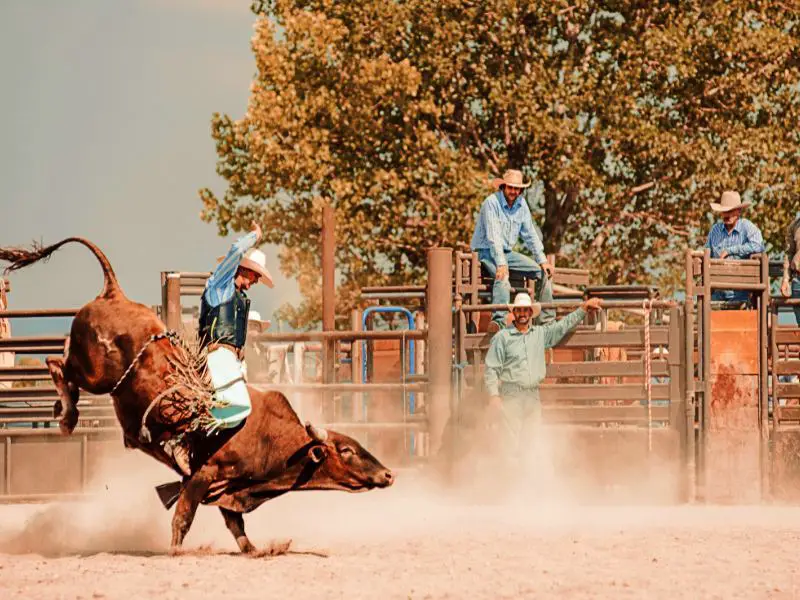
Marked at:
<point>550,534</point>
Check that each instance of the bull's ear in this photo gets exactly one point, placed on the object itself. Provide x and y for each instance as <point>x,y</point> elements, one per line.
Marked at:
<point>317,454</point>
<point>316,433</point>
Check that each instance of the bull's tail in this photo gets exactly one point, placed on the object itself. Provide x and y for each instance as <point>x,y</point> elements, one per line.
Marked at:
<point>22,257</point>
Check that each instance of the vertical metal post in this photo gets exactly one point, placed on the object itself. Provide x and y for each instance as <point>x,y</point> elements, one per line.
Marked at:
<point>7,473</point>
<point>705,420</point>
<point>172,311</point>
<point>84,462</point>
<point>328,302</point>
<point>690,456</point>
<point>763,381</point>
<point>439,304</point>
<point>328,289</point>
<point>356,356</point>
<point>420,437</point>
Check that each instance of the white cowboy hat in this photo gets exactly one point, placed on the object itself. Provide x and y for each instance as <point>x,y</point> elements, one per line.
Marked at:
<point>523,300</point>
<point>512,178</point>
<point>254,319</point>
<point>256,261</point>
<point>729,201</point>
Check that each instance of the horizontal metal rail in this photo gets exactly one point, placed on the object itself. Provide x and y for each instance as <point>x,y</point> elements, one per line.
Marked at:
<point>46,312</point>
<point>45,498</point>
<point>55,432</point>
<point>399,425</point>
<point>51,419</point>
<point>341,387</point>
<point>377,289</point>
<point>744,287</point>
<point>32,341</point>
<point>607,304</point>
<point>393,295</point>
<point>319,336</point>
<point>45,411</point>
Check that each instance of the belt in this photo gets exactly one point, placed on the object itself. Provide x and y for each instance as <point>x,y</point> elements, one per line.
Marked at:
<point>513,387</point>
<point>239,352</point>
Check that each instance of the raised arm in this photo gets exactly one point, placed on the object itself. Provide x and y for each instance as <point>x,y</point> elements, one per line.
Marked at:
<point>225,272</point>
<point>554,332</point>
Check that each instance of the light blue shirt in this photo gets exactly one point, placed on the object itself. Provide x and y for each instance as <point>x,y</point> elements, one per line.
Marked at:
<point>744,240</point>
<point>220,286</point>
<point>499,227</point>
<point>518,358</point>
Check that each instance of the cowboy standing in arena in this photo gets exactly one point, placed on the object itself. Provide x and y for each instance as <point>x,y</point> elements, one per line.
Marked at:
<point>515,366</point>
<point>790,285</point>
<point>503,219</point>
<point>733,238</point>
<point>224,313</point>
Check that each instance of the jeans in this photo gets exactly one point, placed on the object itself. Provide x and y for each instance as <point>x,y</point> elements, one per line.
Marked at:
<point>521,417</point>
<point>501,290</point>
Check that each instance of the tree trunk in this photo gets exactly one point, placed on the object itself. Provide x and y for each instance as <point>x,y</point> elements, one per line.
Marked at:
<point>557,209</point>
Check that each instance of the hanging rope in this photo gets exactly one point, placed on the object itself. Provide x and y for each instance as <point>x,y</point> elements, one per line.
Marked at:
<point>647,306</point>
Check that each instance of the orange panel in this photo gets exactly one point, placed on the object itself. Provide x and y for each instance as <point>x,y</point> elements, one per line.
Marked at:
<point>734,341</point>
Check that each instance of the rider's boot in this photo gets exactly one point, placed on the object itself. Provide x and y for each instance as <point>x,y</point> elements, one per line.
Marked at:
<point>180,454</point>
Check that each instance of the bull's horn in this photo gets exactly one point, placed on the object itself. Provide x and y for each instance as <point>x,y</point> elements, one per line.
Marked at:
<point>316,433</point>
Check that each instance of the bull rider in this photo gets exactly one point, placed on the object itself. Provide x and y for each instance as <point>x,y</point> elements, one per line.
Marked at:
<point>224,315</point>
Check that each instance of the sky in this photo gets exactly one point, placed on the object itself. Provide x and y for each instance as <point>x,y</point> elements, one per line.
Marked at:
<point>106,110</point>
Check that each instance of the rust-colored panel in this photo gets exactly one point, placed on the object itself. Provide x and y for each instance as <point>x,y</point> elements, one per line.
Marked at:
<point>42,465</point>
<point>734,341</point>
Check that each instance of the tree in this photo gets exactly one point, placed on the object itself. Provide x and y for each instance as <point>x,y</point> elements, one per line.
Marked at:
<point>630,116</point>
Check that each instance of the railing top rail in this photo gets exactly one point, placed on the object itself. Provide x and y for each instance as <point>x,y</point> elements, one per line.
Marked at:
<point>43,312</point>
<point>608,304</point>
<point>319,336</point>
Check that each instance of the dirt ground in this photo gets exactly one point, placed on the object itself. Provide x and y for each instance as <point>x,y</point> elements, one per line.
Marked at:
<point>414,540</point>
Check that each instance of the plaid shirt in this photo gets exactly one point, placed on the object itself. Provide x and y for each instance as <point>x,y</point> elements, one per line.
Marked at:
<point>499,227</point>
<point>220,286</point>
<point>743,240</point>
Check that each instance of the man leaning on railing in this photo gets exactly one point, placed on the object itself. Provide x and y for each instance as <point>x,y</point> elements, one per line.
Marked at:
<point>733,238</point>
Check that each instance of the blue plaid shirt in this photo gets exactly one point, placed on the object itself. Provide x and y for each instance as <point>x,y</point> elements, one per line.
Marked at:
<point>220,286</point>
<point>743,240</point>
<point>499,227</point>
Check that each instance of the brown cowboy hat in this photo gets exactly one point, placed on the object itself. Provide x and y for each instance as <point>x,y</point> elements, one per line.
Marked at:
<point>729,201</point>
<point>256,261</point>
<point>512,178</point>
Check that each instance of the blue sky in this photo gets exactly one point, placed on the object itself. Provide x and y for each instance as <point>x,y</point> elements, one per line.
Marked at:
<point>105,112</point>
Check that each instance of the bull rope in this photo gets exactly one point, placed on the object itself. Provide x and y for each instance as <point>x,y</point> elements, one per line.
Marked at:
<point>647,305</point>
<point>176,340</point>
<point>171,335</point>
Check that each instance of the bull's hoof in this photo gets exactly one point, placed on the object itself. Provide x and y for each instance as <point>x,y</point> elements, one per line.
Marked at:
<point>68,422</point>
<point>277,548</point>
<point>246,546</point>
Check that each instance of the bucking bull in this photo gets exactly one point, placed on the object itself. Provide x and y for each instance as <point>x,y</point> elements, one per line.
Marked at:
<point>119,347</point>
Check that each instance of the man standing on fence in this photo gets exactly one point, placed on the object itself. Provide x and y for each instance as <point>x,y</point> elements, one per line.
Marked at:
<point>733,238</point>
<point>224,314</point>
<point>503,219</point>
<point>515,367</point>
<point>790,285</point>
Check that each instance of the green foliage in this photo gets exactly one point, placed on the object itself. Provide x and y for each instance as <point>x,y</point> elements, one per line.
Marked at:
<point>631,117</point>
